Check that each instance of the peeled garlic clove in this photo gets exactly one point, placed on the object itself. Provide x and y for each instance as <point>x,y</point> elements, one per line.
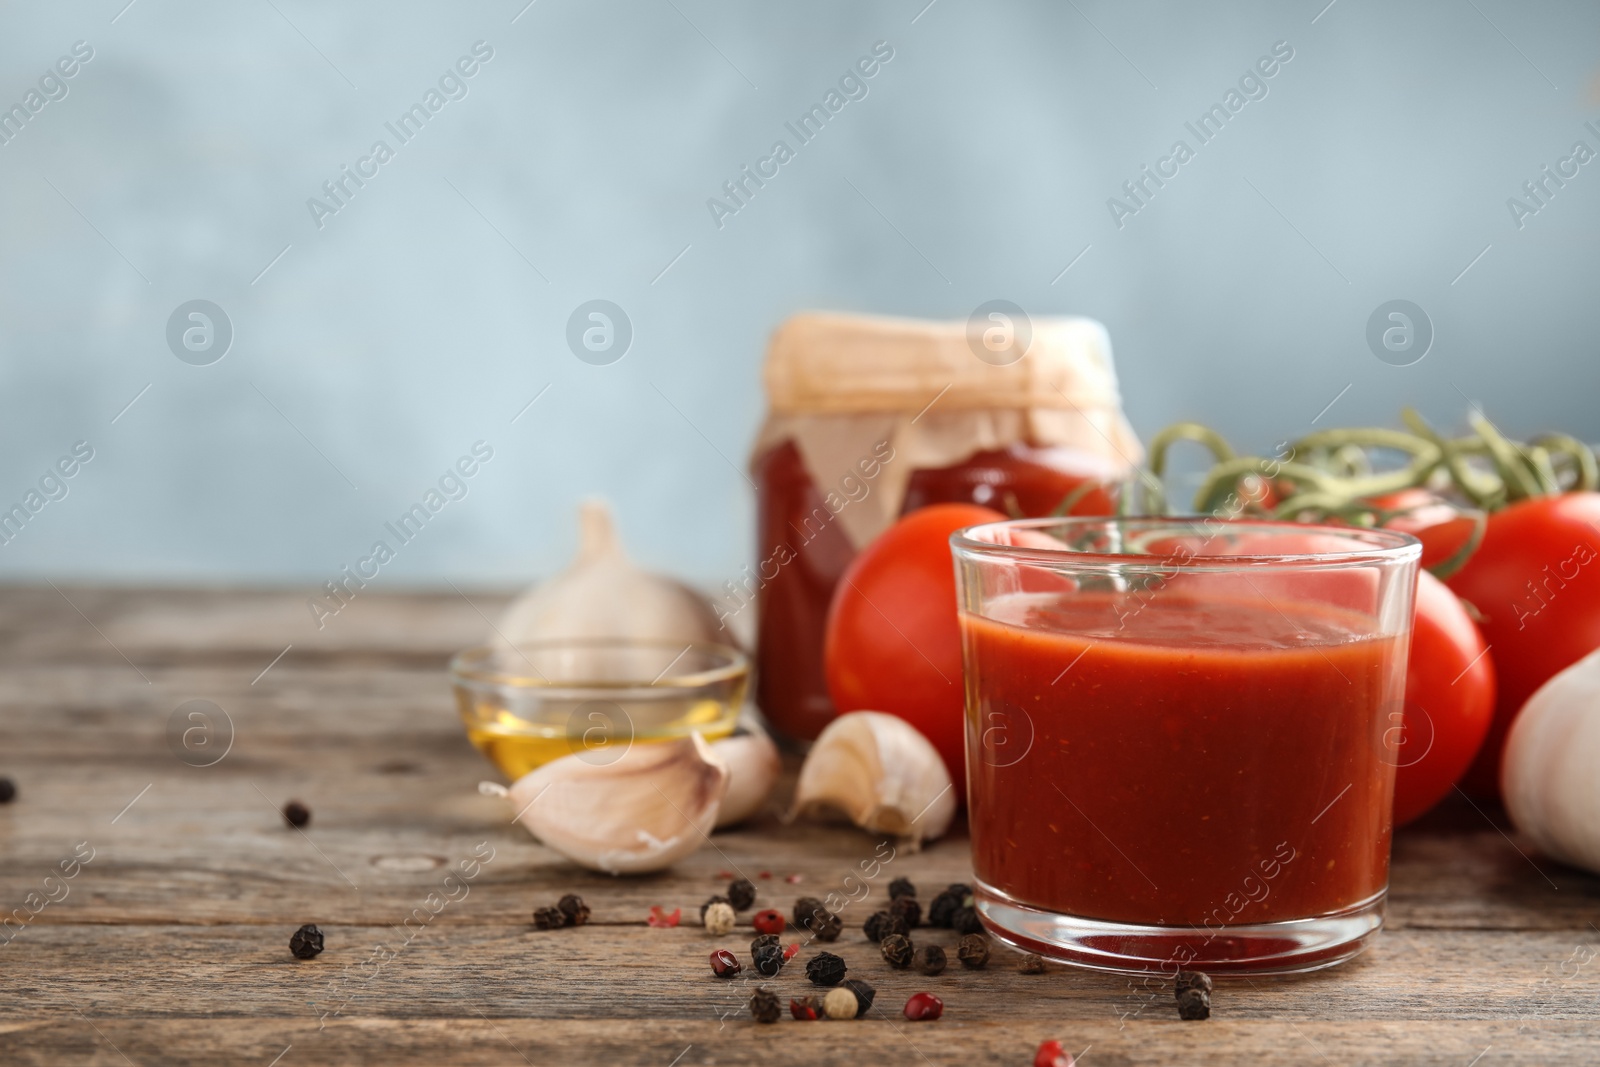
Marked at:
<point>1548,776</point>
<point>650,807</point>
<point>880,772</point>
<point>753,768</point>
<point>601,595</point>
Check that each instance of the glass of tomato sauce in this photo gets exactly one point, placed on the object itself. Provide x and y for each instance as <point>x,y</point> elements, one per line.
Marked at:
<point>1179,736</point>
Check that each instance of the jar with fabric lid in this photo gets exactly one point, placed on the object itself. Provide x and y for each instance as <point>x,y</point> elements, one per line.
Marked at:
<point>869,418</point>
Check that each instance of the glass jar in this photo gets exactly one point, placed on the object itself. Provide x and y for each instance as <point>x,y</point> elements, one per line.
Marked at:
<point>889,416</point>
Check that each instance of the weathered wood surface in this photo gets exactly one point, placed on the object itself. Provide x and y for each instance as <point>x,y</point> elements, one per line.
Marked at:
<point>170,945</point>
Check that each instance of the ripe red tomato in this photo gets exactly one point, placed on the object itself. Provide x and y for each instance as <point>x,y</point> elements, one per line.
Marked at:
<point>1448,533</point>
<point>1449,702</point>
<point>893,642</point>
<point>1535,582</point>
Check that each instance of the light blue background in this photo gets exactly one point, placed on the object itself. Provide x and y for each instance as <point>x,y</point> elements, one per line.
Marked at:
<point>981,160</point>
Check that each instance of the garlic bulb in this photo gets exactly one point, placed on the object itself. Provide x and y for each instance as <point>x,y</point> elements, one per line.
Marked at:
<point>753,768</point>
<point>880,772</point>
<point>1551,774</point>
<point>653,805</point>
<point>602,595</point>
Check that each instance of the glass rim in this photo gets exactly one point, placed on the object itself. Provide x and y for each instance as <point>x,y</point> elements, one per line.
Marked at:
<point>472,666</point>
<point>1372,545</point>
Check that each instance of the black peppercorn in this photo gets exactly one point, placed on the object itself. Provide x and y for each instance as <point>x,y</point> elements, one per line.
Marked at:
<point>741,894</point>
<point>908,909</point>
<point>769,959</point>
<point>947,903</point>
<point>973,951</point>
<point>825,969</point>
<point>296,814</point>
<point>880,924</point>
<point>901,887</point>
<point>762,939</point>
<point>804,909</point>
<point>1193,1004</point>
<point>1031,963</point>
<point>930,960</point>
<point>710,901</point>
<point>826,926</point>
<point>549,918</point>
<point>965,921</point>
<point>306,942</point>
<point>764,1005</point>
<point>575,910</point>
<point>1191,980</point>
<point>898,950</point>
<point>863,991</point>
<point>8,790</point>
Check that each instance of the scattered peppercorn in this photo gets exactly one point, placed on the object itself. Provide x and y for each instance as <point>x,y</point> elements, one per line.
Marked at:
<point>1191,980</point>
<point>719,919</point>
<point>965,921</point>
<point>901,887</point>
<point>923,1007</point>
<point>805,909</point>
<point>764,1005</point>
<point>8,790</point>
<point>806,1008</point>
<point>661,917</point>
<point>864,992</point>
<point>769,959</point>
<point>762,939</point>
<point>1051,1054</point>
<point>825,969</point>
<point>907,909</point>
<point>741,894</point>
<point>573,907</point>
<point>880,924</point>
<point>549,918</point>
<point>725,964</point>
<point>306,942</point>
<point>947,903</point>
<point>710,901</point>
<point>826,926</point>
<point>1194,1003</point>
<point>930,960</point>
<point>1031,963</point>
<point>973,951</point>
<point>791,950</point>
<point>296,814</point>
<point>840,1003</point>
<point>898,950</point>
<point>770,921</point>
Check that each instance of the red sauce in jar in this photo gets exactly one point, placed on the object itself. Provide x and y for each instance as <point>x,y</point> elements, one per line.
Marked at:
<point>804,551</point>
<point>1224,765</point>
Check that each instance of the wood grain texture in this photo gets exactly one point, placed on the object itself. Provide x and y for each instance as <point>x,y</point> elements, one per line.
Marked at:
<point>170,945</point>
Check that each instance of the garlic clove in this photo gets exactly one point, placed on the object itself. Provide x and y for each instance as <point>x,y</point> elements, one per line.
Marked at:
<point>880,772</point>
<point>602,595</point>
<point>650,807</point>
<point>1548,776</point>
<point>753,769</point>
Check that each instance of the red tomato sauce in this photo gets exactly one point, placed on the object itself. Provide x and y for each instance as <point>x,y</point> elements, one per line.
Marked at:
<point>804,552</point>
<point>1202,762</point>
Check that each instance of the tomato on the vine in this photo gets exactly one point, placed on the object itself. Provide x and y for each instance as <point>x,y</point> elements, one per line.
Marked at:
<point>1448,533</point>
<point>1535,582</point>
<point>893,641</point>
<point>1450,689</point>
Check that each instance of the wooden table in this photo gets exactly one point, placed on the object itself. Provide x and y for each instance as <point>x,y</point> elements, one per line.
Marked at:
<point>171,943</point>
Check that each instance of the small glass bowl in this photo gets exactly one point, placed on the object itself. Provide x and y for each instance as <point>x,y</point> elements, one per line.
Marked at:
<point>525,705</point>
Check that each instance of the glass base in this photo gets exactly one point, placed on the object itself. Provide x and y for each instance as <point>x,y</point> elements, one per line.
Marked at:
<point>1129,948</point>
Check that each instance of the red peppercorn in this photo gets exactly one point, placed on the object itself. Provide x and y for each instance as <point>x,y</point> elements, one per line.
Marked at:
<point>725,964</point>
<point>1051,1054</point>
<point>806,1009</point>
<point>770,921</point>
<point>791,949</point>
<point>924,1006</point>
